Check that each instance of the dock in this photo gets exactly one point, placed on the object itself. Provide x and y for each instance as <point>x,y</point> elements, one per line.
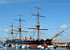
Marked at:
<point>62,43</point>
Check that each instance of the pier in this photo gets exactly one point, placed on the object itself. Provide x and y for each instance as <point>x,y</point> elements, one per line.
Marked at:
<point>62,43</point>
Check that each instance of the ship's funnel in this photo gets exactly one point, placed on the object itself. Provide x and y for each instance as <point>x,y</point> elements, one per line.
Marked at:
<point>25,38</point>
<point>29,37</point>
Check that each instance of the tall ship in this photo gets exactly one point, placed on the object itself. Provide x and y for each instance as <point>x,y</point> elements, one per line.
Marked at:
<point>31,42</point>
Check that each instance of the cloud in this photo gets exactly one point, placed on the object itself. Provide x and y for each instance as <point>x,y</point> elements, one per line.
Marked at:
<point>69,24</point>
<point>65,26</point>
<point>53,27</point>
<point>4,30</point>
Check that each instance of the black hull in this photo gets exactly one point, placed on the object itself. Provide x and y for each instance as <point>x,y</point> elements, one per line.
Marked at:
<point>37,42</point>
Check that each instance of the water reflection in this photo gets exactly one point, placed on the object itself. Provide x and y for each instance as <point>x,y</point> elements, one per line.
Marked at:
<point>5,48</point>
<point>11,48</point>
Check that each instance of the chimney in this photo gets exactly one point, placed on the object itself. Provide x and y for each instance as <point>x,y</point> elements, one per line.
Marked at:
<point>29,37</point>
<point>25,38</point>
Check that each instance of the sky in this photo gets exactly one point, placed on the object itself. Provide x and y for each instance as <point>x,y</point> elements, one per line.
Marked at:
<point>56,12</point>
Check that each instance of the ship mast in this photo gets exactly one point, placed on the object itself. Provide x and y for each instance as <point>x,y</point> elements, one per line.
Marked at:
<point>20,28</point>
<point>11,32</point>
<point>38,25</point>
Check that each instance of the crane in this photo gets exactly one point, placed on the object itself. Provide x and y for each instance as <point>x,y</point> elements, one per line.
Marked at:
<point>56,35</point>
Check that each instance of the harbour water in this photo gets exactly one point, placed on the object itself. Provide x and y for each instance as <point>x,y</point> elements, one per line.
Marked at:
<point>10,48</point>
